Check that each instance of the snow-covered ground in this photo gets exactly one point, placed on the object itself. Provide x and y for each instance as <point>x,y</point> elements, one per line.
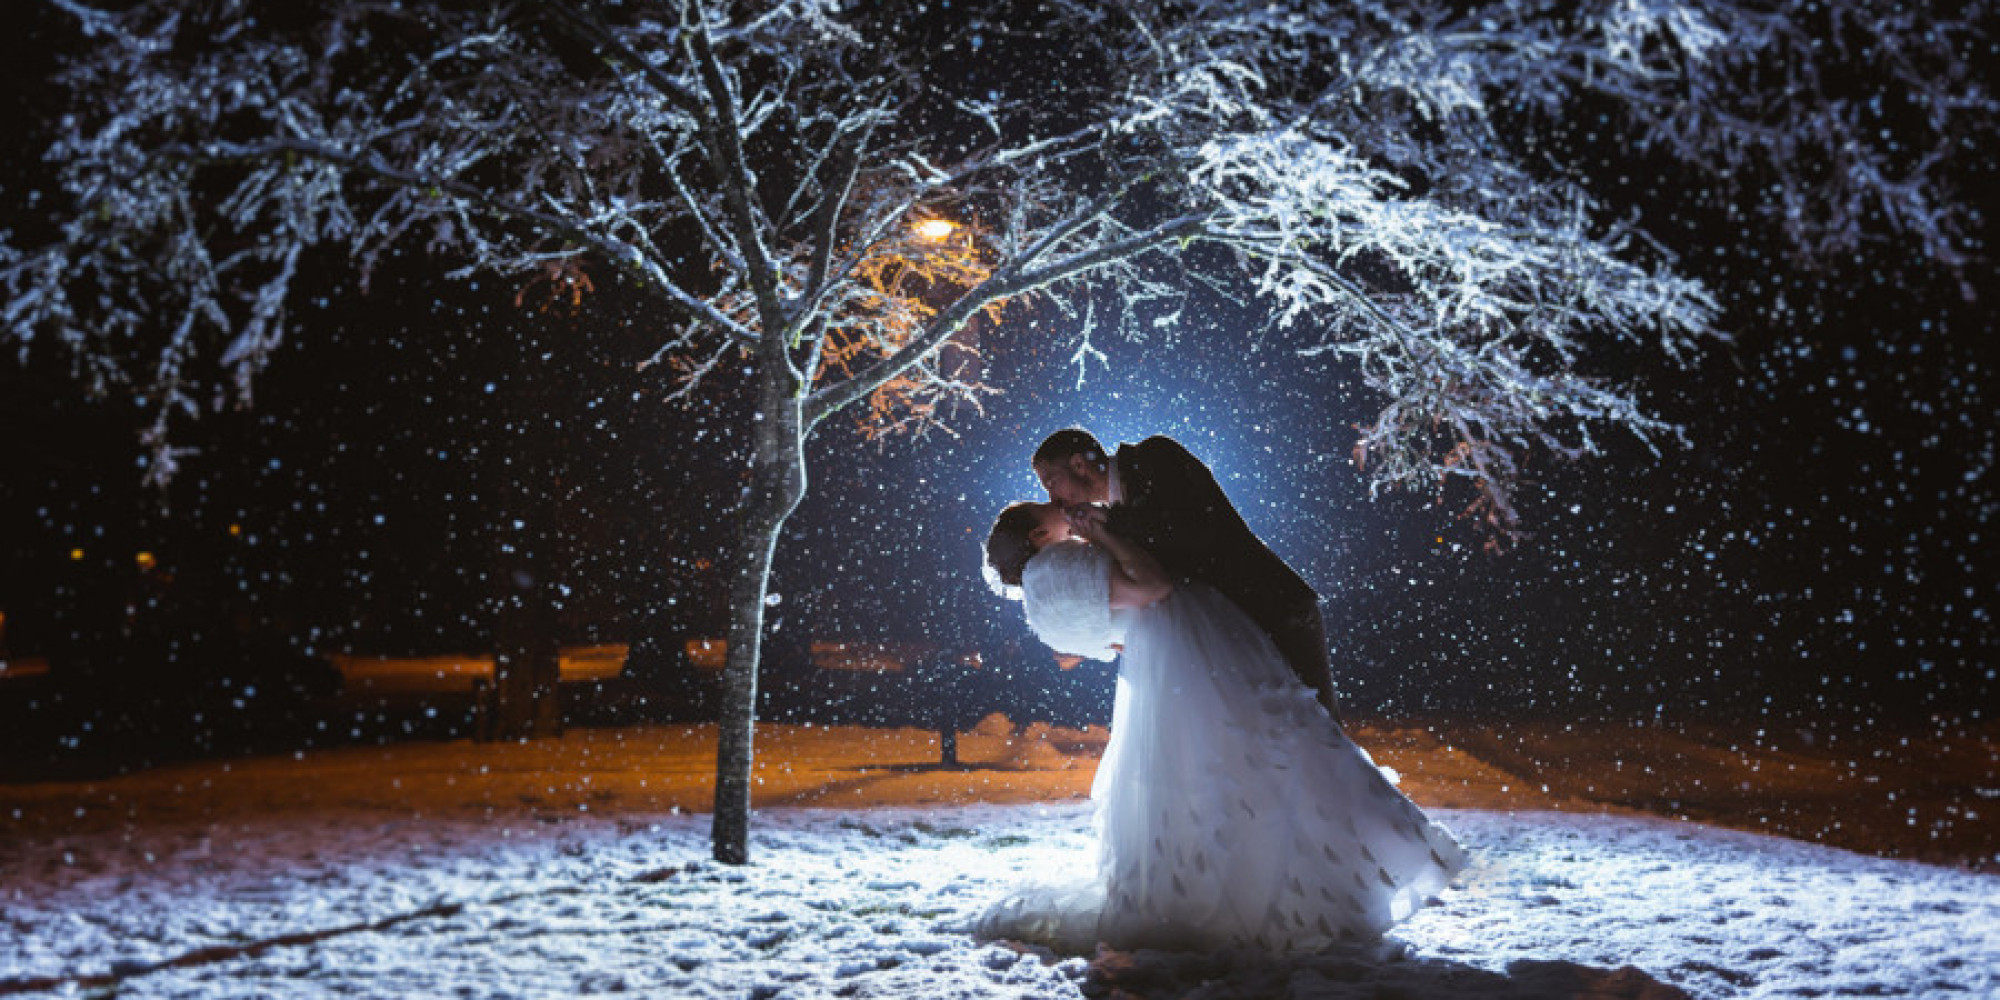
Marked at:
<point>248,893</point>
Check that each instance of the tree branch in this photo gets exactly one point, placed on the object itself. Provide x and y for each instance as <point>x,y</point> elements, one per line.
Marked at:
<point>826,224</point>
<point>594,32</point>
<point>733,176</point>
<point>618,252</point>
<point>1006,283</point>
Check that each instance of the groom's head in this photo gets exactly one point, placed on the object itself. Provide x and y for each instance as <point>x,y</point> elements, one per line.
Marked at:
<point>1073,468</point>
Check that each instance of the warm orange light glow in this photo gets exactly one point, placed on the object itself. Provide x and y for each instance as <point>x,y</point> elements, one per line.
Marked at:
<point>145,560</point>
<point>708,654</point>
<point>561,283</point>
<point>76,555</point>
<point>909,282</point>
<point>235,531</point>
<point>895,291</point>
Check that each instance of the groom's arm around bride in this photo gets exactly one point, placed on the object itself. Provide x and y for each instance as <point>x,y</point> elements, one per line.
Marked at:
<point>1166,500</point>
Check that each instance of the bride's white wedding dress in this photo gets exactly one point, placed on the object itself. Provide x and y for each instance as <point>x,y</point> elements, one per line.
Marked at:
<point>1231,811</point>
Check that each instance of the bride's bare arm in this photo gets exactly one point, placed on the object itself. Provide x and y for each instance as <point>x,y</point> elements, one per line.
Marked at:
<point>1137,579</point>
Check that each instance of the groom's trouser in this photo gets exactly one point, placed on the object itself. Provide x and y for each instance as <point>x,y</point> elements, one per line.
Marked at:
<point>1300,635</point>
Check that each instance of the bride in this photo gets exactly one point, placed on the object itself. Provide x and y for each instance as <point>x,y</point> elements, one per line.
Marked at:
<point>1231,811</point>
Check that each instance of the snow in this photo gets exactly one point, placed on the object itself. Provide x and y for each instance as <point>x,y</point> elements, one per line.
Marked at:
<point>582,896</point>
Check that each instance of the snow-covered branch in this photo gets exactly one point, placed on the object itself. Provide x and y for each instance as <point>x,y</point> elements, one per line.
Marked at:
<point>1408,188</point>
<point>1394,181</point>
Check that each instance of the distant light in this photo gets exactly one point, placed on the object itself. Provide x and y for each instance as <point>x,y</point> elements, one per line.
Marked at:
<point>76,555</point>
<point>935,229</point>
<point>145,560</point>
<point>235,531</point>
<point>708,654</point>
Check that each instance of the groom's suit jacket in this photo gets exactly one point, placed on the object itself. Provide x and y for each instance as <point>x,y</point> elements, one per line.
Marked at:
<point>1174,509</point>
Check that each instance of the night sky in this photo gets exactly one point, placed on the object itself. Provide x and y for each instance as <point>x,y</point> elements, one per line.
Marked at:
<point>1819,553</point>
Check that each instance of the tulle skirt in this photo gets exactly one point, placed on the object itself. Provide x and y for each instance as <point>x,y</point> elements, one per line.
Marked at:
<point>1231,812</point>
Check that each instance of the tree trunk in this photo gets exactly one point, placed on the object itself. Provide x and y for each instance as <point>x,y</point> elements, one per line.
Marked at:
<point>778,481</point>
<point>525,632</point>
<point>526,657</point>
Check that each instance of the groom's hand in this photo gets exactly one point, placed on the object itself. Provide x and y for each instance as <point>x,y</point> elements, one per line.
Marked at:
<point>1086,519</point>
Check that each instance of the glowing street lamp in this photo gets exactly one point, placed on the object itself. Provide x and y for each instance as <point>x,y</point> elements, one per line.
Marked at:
<point>935,229</point>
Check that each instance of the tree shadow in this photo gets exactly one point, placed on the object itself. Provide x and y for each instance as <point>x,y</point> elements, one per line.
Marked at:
<point>953,767</point>
<point>1364,974</point>
<point>121,971</point>
<point>871,775</point>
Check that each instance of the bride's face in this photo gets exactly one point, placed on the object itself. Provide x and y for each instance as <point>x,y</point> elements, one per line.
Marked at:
<point>1050,526</point>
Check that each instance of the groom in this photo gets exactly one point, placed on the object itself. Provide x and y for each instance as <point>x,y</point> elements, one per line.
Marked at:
<point>1166,500</point>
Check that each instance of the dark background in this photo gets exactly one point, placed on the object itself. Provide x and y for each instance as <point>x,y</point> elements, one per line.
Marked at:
<point>1817,555</point>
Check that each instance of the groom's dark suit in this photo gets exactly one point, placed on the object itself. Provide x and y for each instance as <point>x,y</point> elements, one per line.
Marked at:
<point>1173,508</point>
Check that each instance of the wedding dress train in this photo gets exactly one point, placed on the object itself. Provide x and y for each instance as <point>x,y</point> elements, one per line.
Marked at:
<point>1231,811</point>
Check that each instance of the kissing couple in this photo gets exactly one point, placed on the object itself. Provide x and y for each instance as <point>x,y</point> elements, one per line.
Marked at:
<point>1231,810</point>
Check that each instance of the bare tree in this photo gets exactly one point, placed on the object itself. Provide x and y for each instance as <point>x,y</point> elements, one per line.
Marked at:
<point>754,175</point>
<point>771,175</point>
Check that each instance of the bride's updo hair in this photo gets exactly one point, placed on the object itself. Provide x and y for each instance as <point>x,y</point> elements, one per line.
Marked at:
<point>1008,547</point>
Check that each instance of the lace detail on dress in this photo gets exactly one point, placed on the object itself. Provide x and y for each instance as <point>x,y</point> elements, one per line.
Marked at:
<point>1066,591</point>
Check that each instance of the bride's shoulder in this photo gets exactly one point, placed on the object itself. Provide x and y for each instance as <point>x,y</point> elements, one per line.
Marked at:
<point>1065,591</point>
<point>1063,565</point>
<point>1058,556</point>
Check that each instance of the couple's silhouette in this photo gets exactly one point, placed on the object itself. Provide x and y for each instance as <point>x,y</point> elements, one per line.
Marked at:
<point>1232,810</point>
